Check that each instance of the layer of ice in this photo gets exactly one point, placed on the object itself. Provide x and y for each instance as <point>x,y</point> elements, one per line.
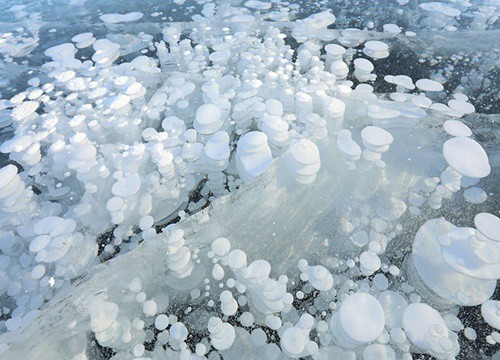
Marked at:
<point>158,127</point>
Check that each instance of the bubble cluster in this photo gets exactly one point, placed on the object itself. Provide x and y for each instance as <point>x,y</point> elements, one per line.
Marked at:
<point>255,195</point>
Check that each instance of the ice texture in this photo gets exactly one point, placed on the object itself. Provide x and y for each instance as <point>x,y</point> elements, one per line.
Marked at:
<point>237,185</point>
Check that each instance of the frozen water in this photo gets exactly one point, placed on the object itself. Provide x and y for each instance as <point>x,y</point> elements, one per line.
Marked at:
<point>248,180</point>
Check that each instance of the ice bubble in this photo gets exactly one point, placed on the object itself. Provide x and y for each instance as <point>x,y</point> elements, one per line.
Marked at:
<point>257,271</point>
<point>114,204</point>
<point>218,272</point>
<point>376,139</point>
<point>145,64</point>
<point>435,271</point>
<point>135,91</point>
<point>5,120</point>
<point>392,28</point>
<point>106,52</point>
<point>37,272</point>
<point>360,238</point>
<point>470,334</point>
<point>24,110</point>
<point>36,92</point>
<point>201,349</point>
<point>16,144</point>
<point>178,258</point>
<point>363,69</point>
<point>488,225</point>
<point>146,222</point>
<point>120,18</point>
<point>126,187</point>
<point>334,111</point>
<point>140,297</point>
<point>83,40</point>
<point>178,332</point>
<point>13,323</point>
<point>173,125</point>
<point>135,285</point>
<point>220,57</point>
<point>102,315</point>
<point>381,282</point>
<point>379,351</point>
<point>276,129</point>
<point>247,319</point>
<point>7,175</point>
<point>495,336</point>
<point>138,350</point>
<point>253,155</point>
<point>258,337</point>
<point>260,5</point>
<point>334,52</point>
<point>64,54</point>
<point>222,334</point>
<point>229,306</point>
<point>475,195</point>
<point>273,322</point>
<point>402,81</point>
<point>314,27</point>
<point>456,128</point>
<point>295,340</point>
<point>427,330</point>
<point>351,37</point>
<point>208,119</point>
<point>150,308</point>
<point>429,85</point>
<point>467,157</point>
<point>274,107</point>
<point>221,247</point>
<point>318,276</point>
<point>339,69</point>
<point>360,320</point>
<point>391,208</point>
<point>440,8</point>
<point>369,262</point>
<point>237,260</point>
<point>272,352</point>
<point>45,225</point>
<point>39,243</point>
<point>461,107</point>
<point>376,49</point>
<point>82,37</point>
<point>490,310</point>
<point>398,335</point>
<point>117,102</point>
<point>471,255</point>
<point>304,160</point>
<point>217,148</point>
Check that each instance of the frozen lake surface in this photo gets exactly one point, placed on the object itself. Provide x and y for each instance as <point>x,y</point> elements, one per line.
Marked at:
<point>219,179</point>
